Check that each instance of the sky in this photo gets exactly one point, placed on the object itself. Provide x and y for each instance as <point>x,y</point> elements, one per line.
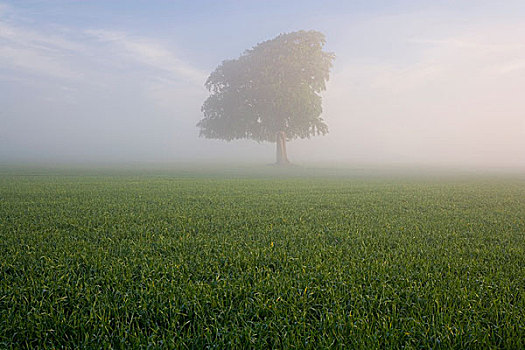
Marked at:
<point>414,82</point>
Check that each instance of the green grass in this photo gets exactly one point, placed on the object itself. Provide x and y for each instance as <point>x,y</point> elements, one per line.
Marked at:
<point>180,259</point>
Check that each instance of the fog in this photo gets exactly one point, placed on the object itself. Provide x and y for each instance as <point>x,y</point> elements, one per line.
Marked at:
<point>412,83</point>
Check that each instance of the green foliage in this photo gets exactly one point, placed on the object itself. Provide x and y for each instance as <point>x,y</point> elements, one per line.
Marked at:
<point>272,87</point>
<point>160,261</point>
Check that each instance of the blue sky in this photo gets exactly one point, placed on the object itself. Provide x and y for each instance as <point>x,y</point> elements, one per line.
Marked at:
<point>413,82</point>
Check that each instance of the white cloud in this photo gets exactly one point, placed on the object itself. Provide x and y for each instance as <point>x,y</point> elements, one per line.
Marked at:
<point>35,52</point>
<point>37,61</point>
<point>511,66</point>
<point>60,55</point>
<point>150,53</point>
<point>16,35</point>
<point>467,43</point>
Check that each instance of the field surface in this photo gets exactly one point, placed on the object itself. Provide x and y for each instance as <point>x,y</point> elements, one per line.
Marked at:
<point>306,259</point>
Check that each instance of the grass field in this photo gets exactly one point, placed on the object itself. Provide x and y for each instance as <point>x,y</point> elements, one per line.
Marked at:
<point>306,260</point>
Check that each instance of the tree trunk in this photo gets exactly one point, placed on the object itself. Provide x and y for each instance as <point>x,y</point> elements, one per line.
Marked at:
<point>280,140</point>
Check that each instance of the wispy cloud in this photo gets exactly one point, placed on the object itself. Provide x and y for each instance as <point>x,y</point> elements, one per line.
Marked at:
<point>468,44</point>
<point>150,53</point>
<point>495,49</point>
<point>37,61</point>
<point>59,54</point>
<point>16,35</point>
<point>34,52</point>
<point>511,66</point>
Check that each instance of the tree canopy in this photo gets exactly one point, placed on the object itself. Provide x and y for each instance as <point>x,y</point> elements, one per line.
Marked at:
<point>272,89</point>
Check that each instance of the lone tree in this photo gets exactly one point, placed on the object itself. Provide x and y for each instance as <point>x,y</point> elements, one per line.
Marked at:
<point>270,93</point>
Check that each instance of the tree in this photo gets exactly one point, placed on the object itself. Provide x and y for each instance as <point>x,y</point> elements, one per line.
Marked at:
<point>270,93</point>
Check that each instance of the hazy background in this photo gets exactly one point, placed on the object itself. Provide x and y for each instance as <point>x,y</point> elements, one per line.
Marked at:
<point>414,82</point>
